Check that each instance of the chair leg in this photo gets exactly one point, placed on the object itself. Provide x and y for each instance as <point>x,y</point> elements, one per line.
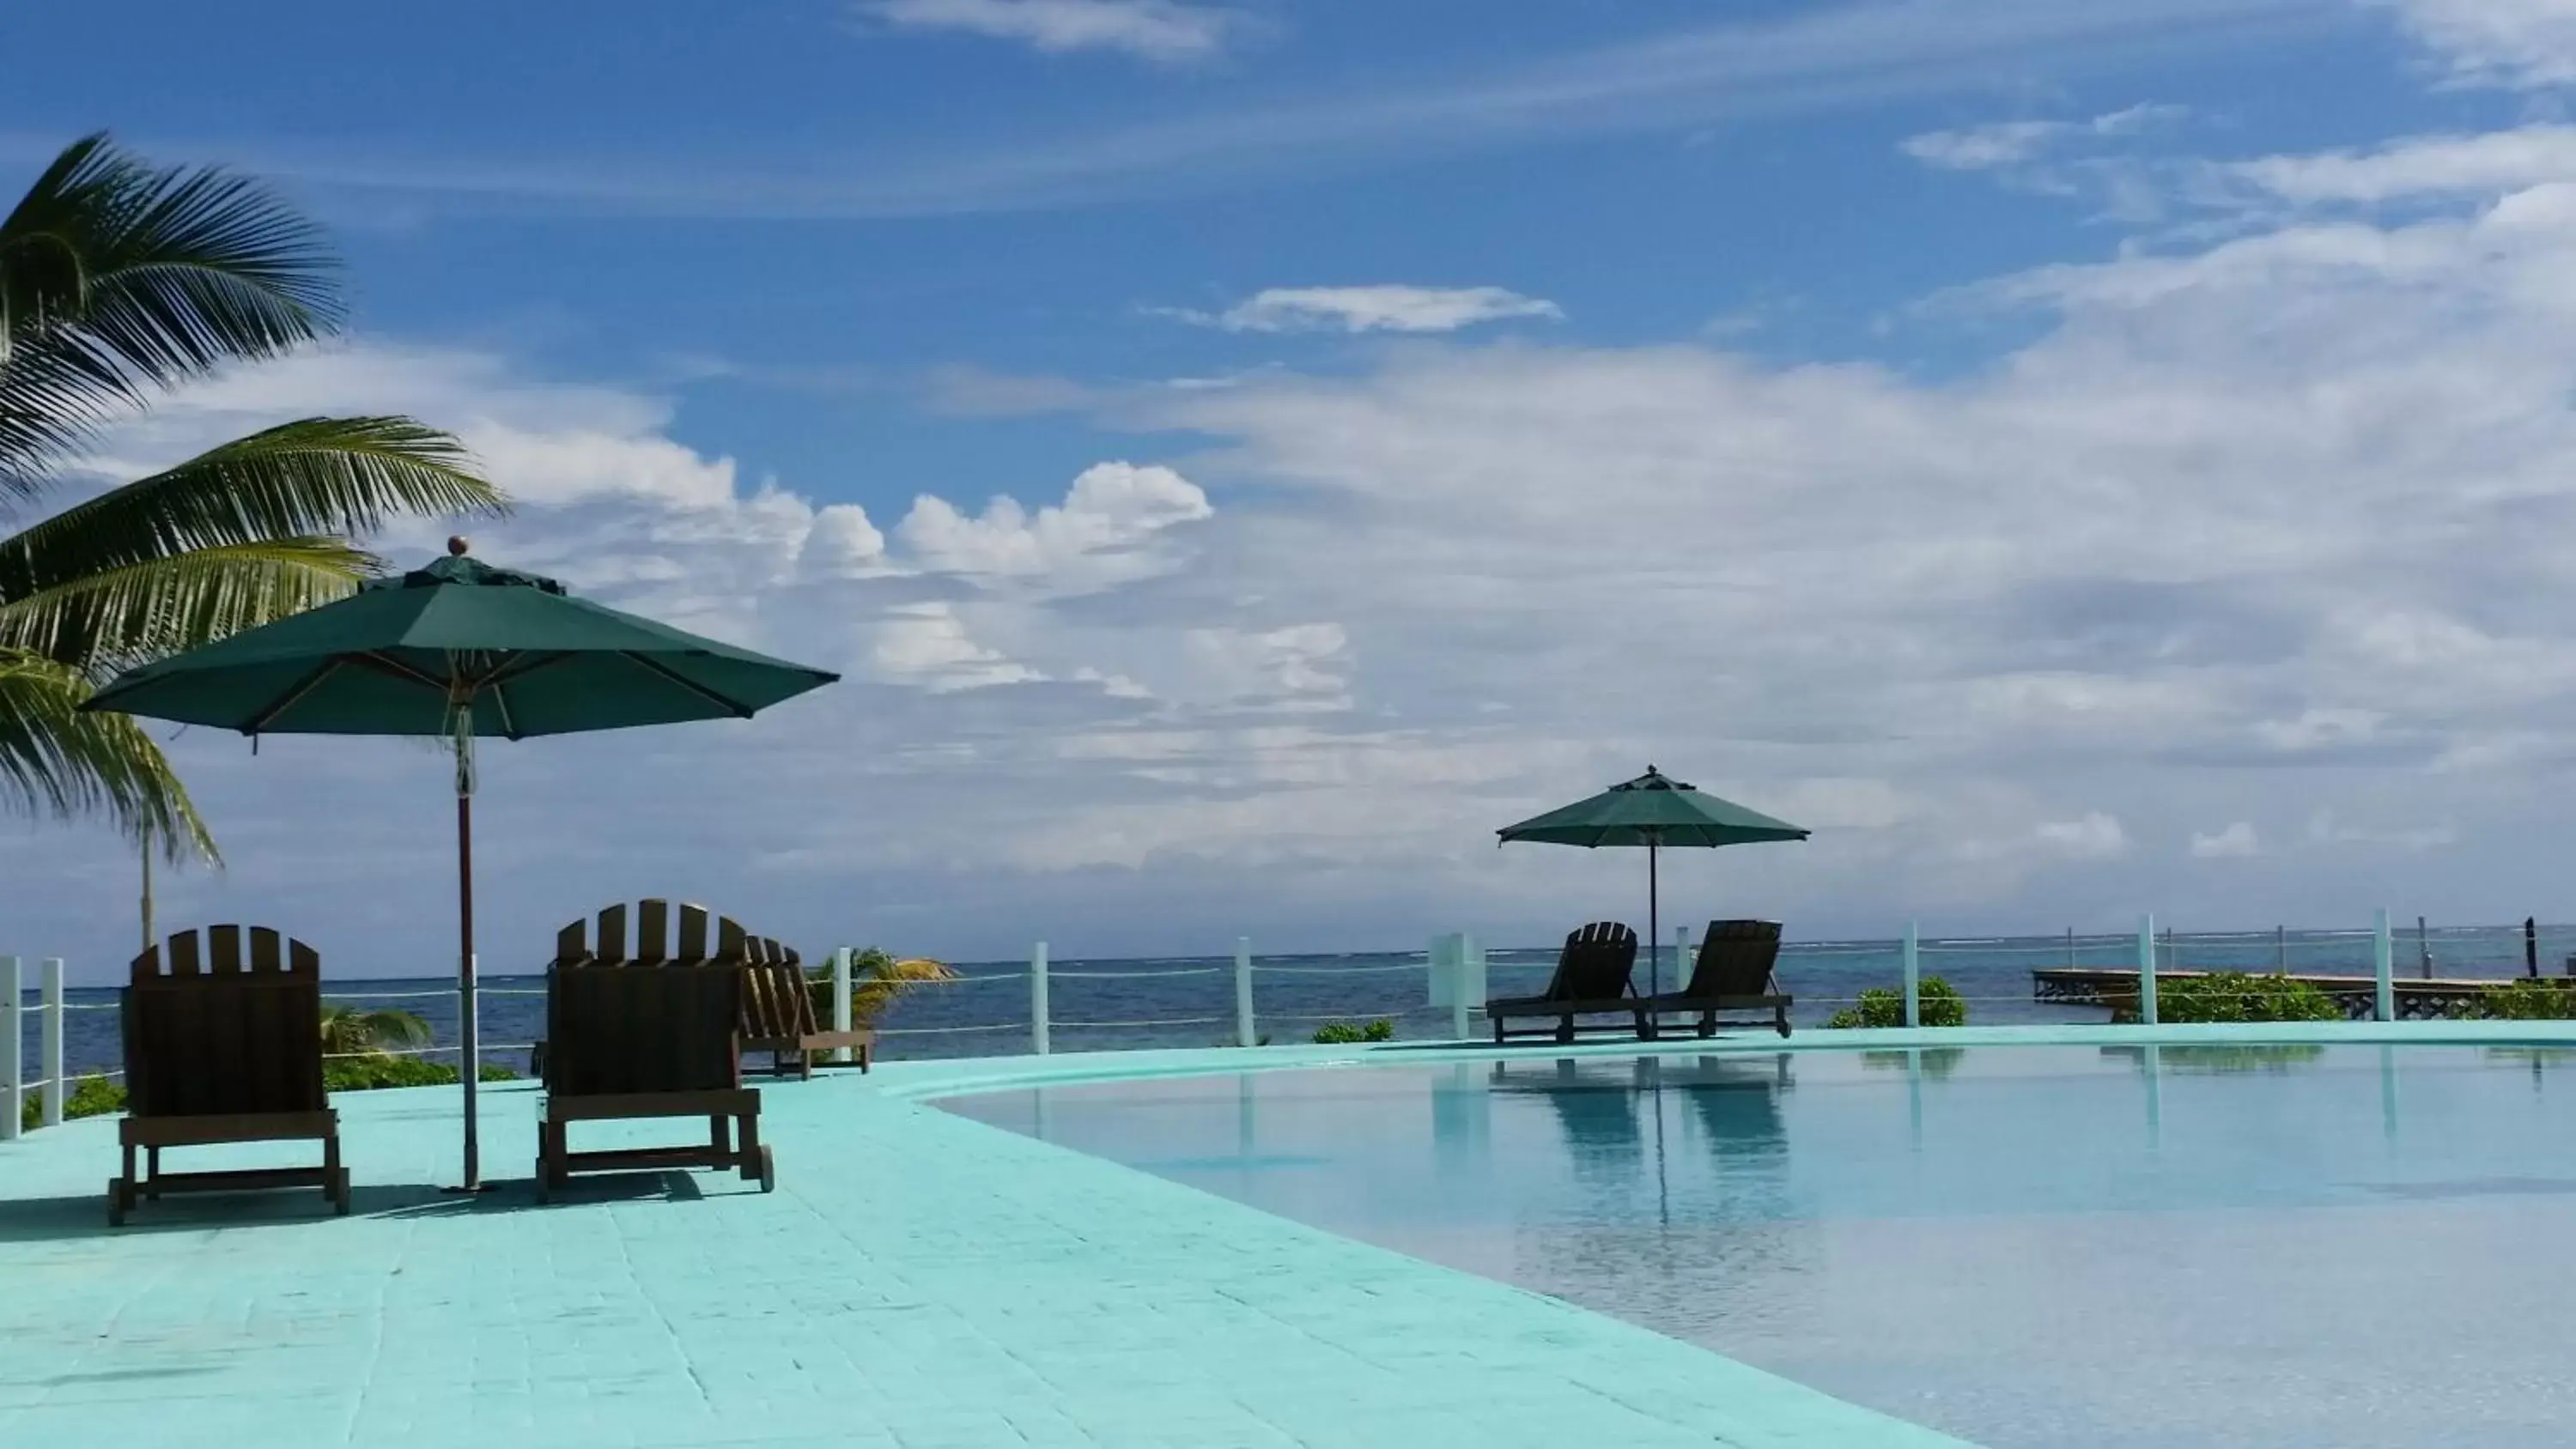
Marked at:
<point>718,1142</point>
<point>151,1173</point>
<point>335,1183</point>
<point>750,1155</point>
<point>864,1050</point>
<point>1565,1030</point>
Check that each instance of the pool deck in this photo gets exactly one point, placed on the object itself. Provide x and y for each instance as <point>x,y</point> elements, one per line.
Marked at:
<point>918,1281</point>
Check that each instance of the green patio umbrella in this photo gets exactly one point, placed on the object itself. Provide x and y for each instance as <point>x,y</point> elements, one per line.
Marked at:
<point>1654,811</point>
<point>456,650</point>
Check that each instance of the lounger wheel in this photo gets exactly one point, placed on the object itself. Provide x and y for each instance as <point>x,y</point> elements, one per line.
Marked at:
<point>768,1171</point>
<point>1783,1025</point>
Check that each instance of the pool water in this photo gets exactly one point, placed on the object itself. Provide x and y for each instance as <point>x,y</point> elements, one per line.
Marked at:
<point>2030,1247</point>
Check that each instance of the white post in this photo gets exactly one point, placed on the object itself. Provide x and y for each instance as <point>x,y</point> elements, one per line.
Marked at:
<point>50,1058</point>
<point>841,998</point>
<point>1038,998</point>
<point>1243,1027</point>
<point>1470,987</point>
<point>1913,976</point>
<point>2383,962</point>
<point>9,1048</point>
<point>2147,968</point>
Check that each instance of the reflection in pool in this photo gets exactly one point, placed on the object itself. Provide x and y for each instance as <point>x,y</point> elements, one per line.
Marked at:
<point>2032,1247</point>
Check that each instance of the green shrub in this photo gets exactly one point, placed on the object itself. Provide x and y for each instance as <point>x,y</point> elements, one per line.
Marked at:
<point>1881,1006</point>
<point>2530,1000</point>
<point>2236,996</point>
<point>362,1074</point>
<point>1344,1033</point>
<point>91,1097</point>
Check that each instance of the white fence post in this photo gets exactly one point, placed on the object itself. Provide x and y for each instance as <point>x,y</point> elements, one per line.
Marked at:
<point>1038,998</point>
<point>50,1057</point>
<point>2147,969</point>
<point>2383,963</point>
<point>10,1049</point>
<point>1243,1025</point>
<point>841,998</point>
<point>1913,976</point>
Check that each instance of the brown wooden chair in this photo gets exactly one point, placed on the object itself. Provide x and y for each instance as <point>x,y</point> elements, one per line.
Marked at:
<point>1592,979</point>
<point>654,1033</point>
<point>1733,973</point>
<point>778,1015</point>
<point>220,1047</point>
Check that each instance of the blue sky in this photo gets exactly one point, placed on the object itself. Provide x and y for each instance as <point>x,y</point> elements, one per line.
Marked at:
<point>2079,462</point>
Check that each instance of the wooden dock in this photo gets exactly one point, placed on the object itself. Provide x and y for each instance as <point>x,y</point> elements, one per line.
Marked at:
<point>2418,998</point>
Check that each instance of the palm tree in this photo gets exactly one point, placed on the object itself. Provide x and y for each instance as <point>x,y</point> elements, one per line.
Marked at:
<point>349,1031</point>
<point>877,981</point>
<point>120,281</point>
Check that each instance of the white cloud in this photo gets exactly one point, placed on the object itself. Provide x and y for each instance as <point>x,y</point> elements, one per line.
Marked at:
<point>1163,31</point>
<point>2011,143</point>
<point>2093,836</point>
<point>1102,533</point>
<point>1372,309</point>
<point>928,644</point>
<point>2521,44</point>
<point>2236,842</point>
<point>2484,164</point>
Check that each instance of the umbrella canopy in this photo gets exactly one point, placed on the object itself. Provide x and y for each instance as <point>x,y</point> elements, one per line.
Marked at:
<point>455,643</point>
<point>458,649</point>
<point>1652,810</point>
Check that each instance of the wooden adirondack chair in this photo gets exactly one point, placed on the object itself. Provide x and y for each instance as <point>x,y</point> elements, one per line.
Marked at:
<point>654,1033</point>
<point>223,1048</point>
<point>778,1014</point>
<point>1592,979</point>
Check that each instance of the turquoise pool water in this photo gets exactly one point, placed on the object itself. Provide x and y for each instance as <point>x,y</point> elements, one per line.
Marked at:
<point>2306,1247</point>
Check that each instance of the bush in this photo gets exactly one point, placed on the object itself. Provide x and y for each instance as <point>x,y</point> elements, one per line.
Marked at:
<point>2236,996</point>
<point>91,1097</point>
<point>1881,1006</point>
<point>363,1074</point>
<point>2530,1000</point>
<point>1344,1033</point>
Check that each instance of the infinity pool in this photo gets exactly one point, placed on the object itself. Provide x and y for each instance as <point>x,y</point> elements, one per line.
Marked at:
<point>2031,1247</point>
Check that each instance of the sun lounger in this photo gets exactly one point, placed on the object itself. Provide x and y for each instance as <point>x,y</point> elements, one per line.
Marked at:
<point>778,1015</point>
<point>223,1049</point>
<point>652,1034</point>
<point>1733,974</point>
<point>1591,980</point>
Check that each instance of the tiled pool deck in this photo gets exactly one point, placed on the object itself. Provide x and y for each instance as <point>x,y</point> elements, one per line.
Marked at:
<point>918,1281</point>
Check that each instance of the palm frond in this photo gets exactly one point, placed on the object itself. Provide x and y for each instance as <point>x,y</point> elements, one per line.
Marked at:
<point>351,1031</point>
<point>317,476</point>
<point>881,981</point>
<point>111,619</point>
<point>118,277</point>
<point>57,761</point>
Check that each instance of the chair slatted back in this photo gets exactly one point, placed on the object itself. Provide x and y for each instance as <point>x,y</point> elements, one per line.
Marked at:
<point>777,1003</point>
<point>647,1015</point>
<point>1596,964</point>
<point>1736,959</point>
<point>210,1029</point>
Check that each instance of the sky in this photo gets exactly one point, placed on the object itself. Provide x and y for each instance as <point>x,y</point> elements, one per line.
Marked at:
<point>2078,460</point>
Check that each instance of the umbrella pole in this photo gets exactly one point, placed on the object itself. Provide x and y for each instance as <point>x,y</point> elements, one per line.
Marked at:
<point>470,1059</point>
<point>1654,919</point>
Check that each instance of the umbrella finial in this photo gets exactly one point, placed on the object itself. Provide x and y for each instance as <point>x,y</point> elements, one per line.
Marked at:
<point>456,545</point>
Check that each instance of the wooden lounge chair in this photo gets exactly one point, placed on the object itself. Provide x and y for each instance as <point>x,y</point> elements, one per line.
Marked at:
<point>652,1034</point>
<point>1733,973</point>
<point>223,1049</point>
<point>778,1014</point>
<point>1591,980</point>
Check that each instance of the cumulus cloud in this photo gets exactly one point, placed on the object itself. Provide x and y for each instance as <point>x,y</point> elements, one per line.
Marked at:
<point>2093,836</point>
<point>1102,533</point>
<point>1163,31</point>
<point>1373,309</point>
<point>2443,166</point>
<point>2236,842</point>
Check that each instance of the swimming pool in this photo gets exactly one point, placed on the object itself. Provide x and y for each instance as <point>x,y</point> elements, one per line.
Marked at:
<point>2032,1247</point>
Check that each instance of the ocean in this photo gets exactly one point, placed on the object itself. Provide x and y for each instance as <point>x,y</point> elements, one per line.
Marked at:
<point>1115,1005</point>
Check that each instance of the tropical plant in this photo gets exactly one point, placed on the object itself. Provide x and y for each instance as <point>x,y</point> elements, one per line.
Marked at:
<point>2530,1000</point>
<point>1938,1004</point>
<point>362,1074</point>
<point>349,1031</point>
<point>877,982</point>
<point>2236,996</point>
<point>1343,1033</point>
<point>119,282</point>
